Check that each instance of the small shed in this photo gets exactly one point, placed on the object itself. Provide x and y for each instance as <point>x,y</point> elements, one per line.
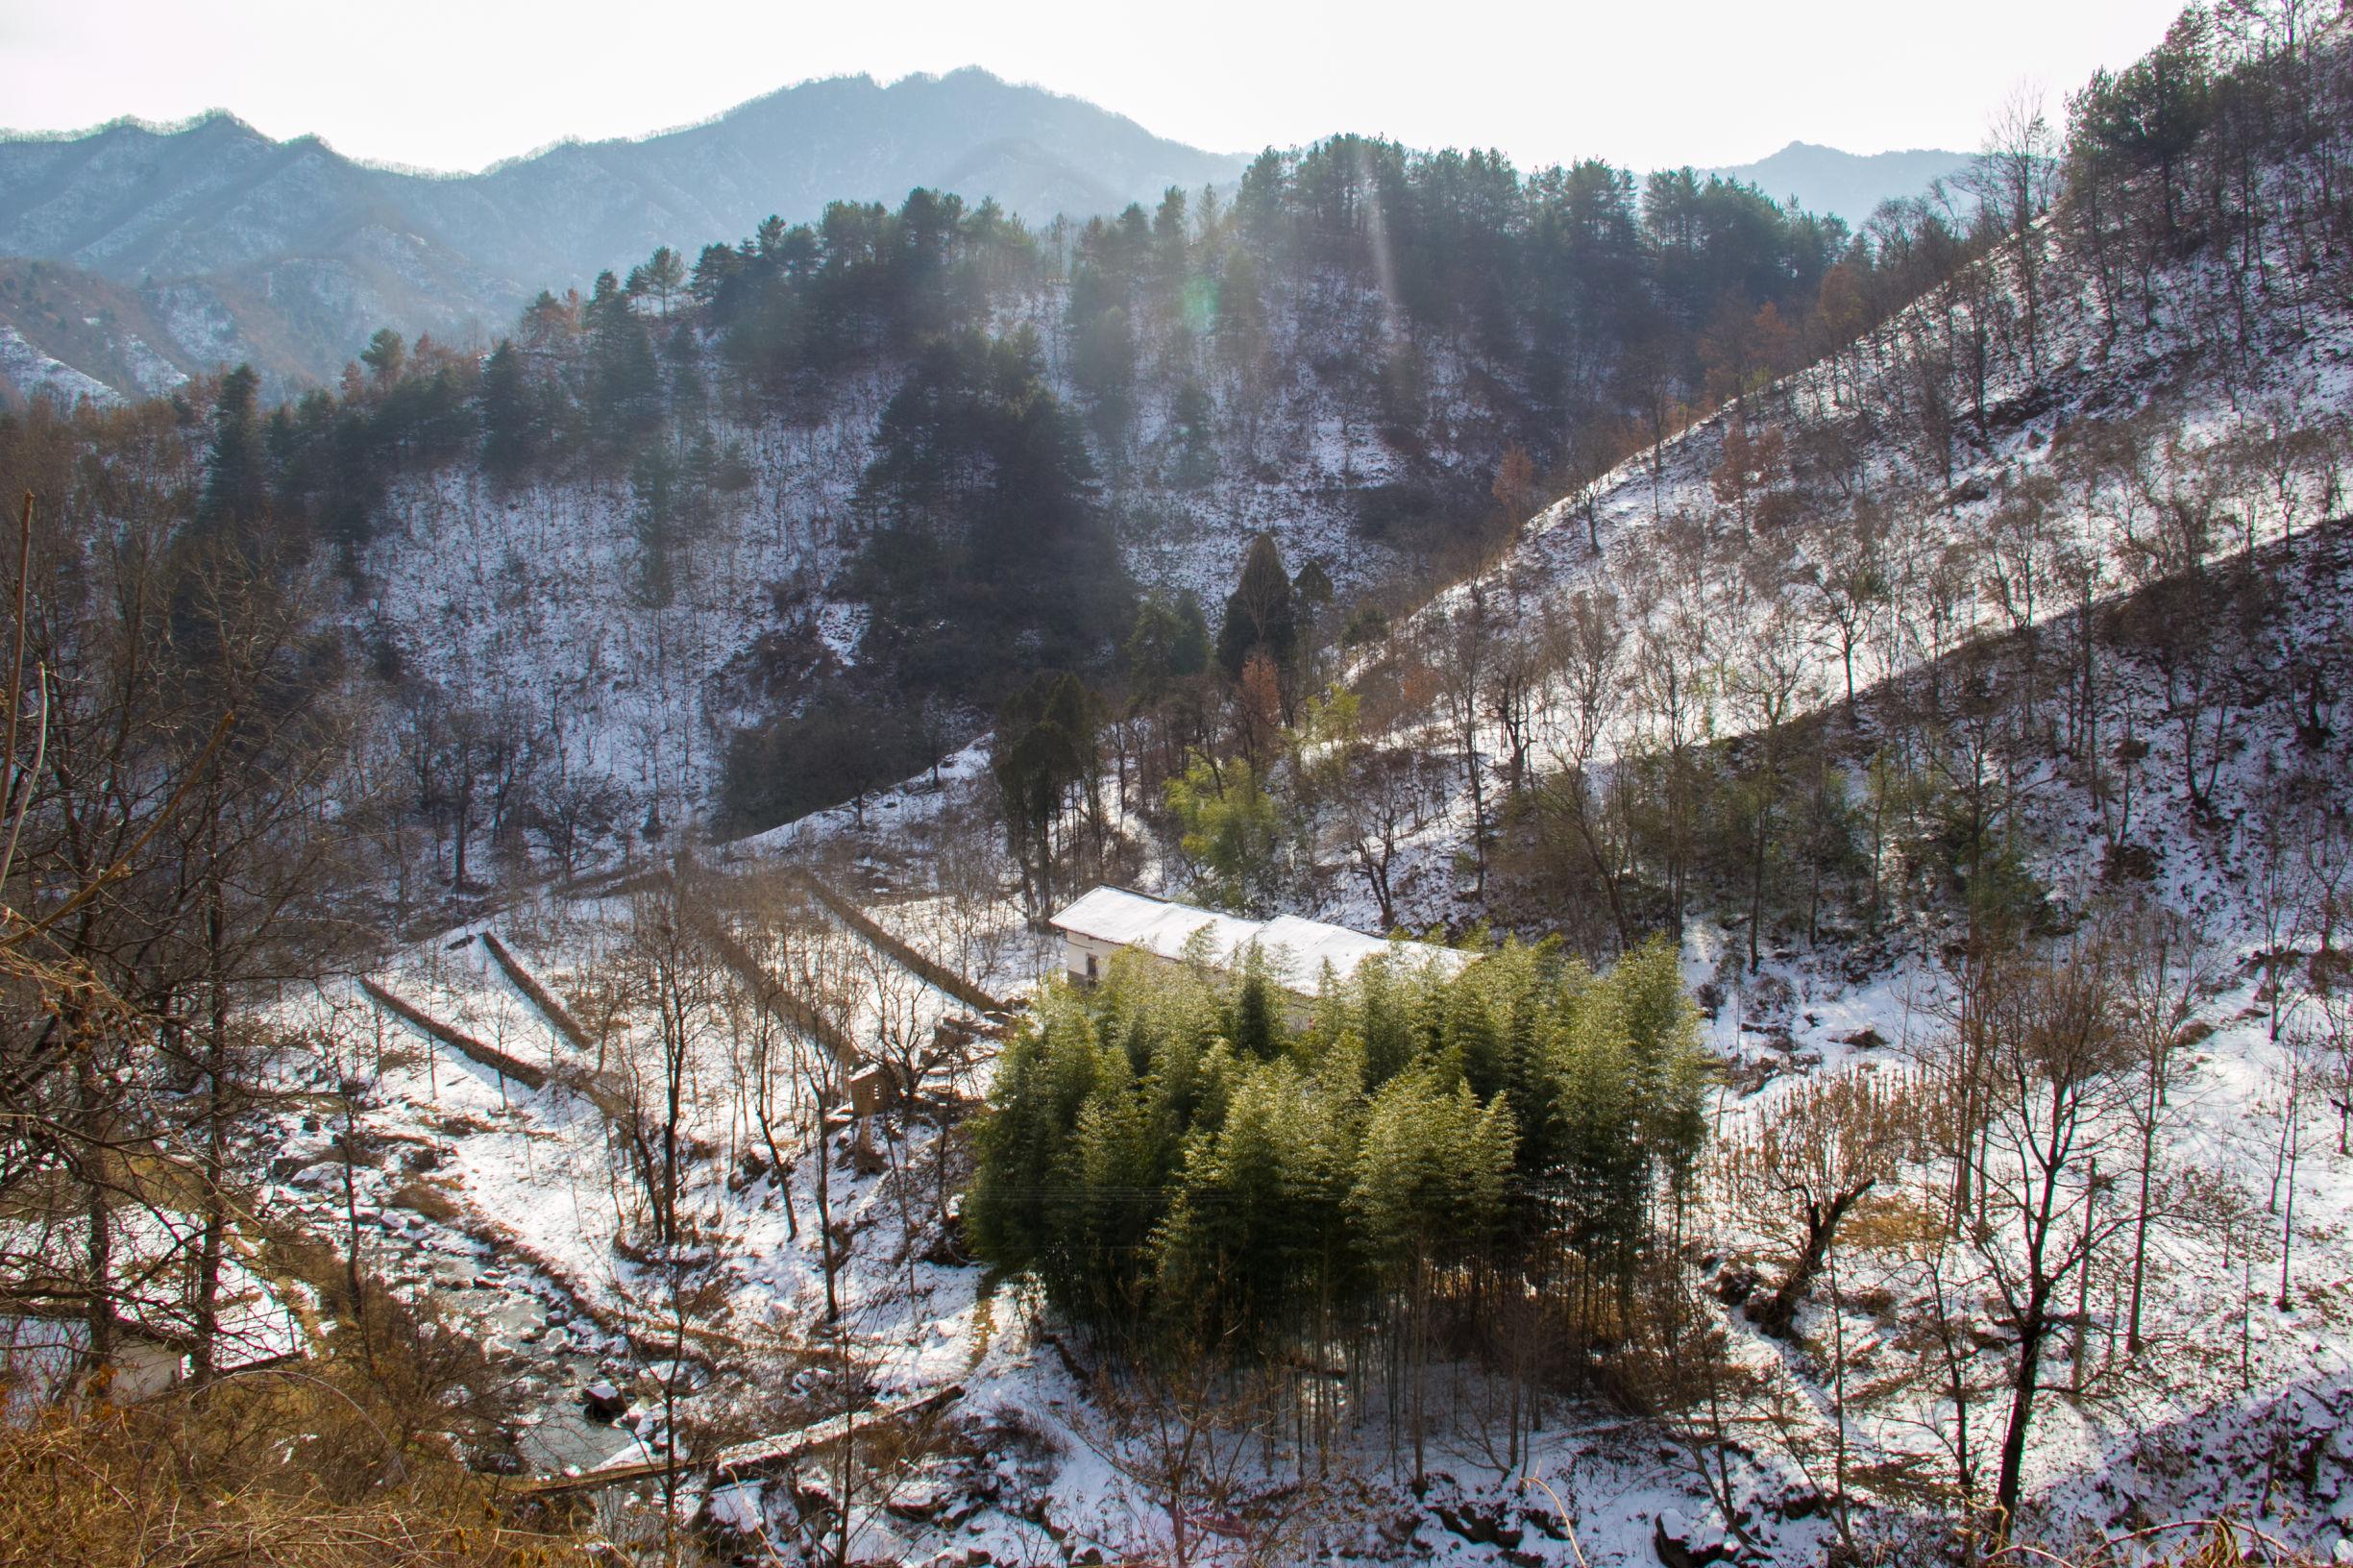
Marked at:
<point>1296,951</point>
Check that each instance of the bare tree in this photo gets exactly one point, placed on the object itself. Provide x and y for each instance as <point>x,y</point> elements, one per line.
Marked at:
<point>1587,644</point>
<point>1825,1145</point>
<point>2013,179</point>
<point>1188,1434</point>
<point>1772,684</point>
<point>2166,969</point>
<point>674,975</point>
<point>1850,584</point>
<point>2056,1065</point>
<point>1386,795</point>
<point>1467,643</point>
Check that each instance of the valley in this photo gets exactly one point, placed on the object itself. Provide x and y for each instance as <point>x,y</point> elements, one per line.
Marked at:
<point>534,864</point>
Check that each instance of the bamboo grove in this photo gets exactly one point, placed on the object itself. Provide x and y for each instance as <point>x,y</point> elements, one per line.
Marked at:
<point>1190,1160</point>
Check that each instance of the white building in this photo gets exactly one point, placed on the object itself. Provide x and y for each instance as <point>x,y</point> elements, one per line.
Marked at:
<point>1296,951</point>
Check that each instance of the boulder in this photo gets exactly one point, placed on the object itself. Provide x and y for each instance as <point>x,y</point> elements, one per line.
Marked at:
<point>602,1402</point>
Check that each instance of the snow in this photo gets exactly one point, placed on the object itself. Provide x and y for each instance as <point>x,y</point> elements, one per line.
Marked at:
<point>156,374</point>
<point>29,370</point>
<point>155,1254</point>
<point>525,601</point>
<point>1155,926</point>
<point>1297,951</point>
<point>1300,949</point>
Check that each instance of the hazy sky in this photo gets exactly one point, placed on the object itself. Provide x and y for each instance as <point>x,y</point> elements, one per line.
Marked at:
<point>457,84</point>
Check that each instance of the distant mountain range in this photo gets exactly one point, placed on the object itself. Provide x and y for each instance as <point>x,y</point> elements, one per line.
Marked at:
<point>171,250</point>
<point>1850,185</point>
<point>134,256</point>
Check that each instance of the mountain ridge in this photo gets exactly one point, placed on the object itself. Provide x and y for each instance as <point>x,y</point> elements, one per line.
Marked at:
<point>1830,179</point>
<point>335,246</point>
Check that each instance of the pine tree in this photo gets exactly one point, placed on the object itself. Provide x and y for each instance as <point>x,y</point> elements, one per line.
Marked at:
<point>1189,653</point>
<point>1149,652</point>
<point>514,426</point>
<point>237,470</point>
<point>625,384</point>
<point>386,358</point>
<point>1259,612</point>
<point>661,275</point>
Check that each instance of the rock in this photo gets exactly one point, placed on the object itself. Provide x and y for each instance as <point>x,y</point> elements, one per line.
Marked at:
<point>661,1376</point>
<point>1735,1286</point>
<point>1681,1544</point>
<point>602,1402</point>
<point>1479,1528</point>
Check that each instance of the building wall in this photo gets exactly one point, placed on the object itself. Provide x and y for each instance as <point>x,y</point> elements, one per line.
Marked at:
<point>1298,1008</point>
<point>1076,950</point>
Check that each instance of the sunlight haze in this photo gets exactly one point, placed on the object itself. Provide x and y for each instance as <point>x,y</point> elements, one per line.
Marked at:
<point>444,85</point>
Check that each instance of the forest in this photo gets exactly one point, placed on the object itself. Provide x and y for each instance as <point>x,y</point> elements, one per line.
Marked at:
<point>1529,325</point>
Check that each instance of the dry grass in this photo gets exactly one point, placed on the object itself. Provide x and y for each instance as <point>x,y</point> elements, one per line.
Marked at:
<point>1899,1218</point>
<point>427,1198</point>
<point>2200,1543</point>
<point>353,1457</point>
<point>189,1482</point>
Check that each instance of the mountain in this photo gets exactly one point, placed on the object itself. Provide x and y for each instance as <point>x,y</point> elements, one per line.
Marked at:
<point>1895,813</point>
<point>75,334</point>
<point>291,254</point>
<point>1850,185</point>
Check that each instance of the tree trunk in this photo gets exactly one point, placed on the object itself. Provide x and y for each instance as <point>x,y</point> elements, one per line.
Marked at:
<point>2033,1328</point>
<point>1780,1310</point>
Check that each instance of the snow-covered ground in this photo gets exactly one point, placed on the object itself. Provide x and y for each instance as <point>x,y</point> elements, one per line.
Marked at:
<point>30,371</point>
<point>527,614</point>
<point>536,1238</point>
<point>523,1211</point>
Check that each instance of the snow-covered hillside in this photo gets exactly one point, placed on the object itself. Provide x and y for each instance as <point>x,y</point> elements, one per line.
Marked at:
<point>527,614</point>
<point>2202,438</point>
<point>1950,476</point>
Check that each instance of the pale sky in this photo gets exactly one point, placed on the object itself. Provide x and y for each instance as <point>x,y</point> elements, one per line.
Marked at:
<point>458,84</point>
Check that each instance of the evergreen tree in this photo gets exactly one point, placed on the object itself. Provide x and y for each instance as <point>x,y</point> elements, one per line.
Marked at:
<point>1254,1024</point>
<point>1431,1172</point>
<point>1188,652</point>
<point>991,555</point>
<point>625,384</point>
<point>661,276</point>
<point>1230,830</point>
<point>1258,617</point>
<point>514,426</point>
<point>1149,652</point>
<point>1190,428</point>
<point>1170,1152</point>
<point>237,491</point>
<point>2150,115</point>
<point>386,358</point>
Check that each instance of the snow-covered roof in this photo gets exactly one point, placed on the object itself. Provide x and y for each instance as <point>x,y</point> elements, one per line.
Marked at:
<point>1297,949</point>
<point>1156,925</point>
